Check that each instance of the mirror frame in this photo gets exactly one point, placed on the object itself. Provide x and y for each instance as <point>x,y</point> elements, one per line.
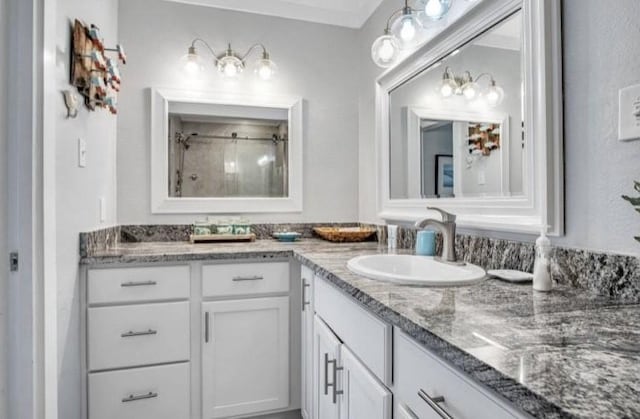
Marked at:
<point>542,202</point>
<point>162,203</point>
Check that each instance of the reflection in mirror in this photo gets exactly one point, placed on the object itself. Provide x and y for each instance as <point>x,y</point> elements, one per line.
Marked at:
<point>456,128</point>
<point>216,151</point>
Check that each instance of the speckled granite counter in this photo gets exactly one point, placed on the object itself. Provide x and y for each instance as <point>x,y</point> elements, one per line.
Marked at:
<point>567,353</point>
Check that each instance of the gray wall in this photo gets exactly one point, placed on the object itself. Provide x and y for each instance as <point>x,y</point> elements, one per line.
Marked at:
<point>3,210</point>
<point>601,55</point>
<point>316,62</point>
<point>78,190</point>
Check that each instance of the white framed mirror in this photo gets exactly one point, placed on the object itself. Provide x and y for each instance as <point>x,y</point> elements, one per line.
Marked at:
<point>471,122</point>
<point>215,152</point>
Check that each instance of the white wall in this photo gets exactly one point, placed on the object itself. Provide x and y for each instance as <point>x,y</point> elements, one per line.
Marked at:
<point>316,62</point>
<point>601,55</point>
<point>3,211</point>
<point>78,189</point>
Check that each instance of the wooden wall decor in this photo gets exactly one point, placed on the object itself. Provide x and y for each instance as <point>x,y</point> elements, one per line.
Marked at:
<point>96,75</point>
<point>484,138</point>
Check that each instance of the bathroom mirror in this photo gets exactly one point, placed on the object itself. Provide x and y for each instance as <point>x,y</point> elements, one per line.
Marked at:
<point>214,152</point>
<point>471,122</point>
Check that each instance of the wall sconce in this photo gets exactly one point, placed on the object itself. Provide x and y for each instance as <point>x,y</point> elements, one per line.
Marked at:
<point>229,64</point>
<point>468,87</point>
<point>405,29</point>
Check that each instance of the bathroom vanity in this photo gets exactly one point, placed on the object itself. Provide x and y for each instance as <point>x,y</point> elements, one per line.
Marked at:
<point>240,330</point>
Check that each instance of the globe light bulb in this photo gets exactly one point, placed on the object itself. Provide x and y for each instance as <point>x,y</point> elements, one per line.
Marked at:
<point>266,68</point>
<point>436,9</point>
<point>387,50</point>
<point>433,8</point>
<point>494,95</point>
<point>192,64</point>
<point>407,29</point>
<point>230,66</point>
<point>384,50</point>
<point>446,90</point>
<point>230,70</point>
<point>470,90</point>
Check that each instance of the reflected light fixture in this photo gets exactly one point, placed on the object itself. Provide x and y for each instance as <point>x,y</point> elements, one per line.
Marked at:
<point>229,64</point>
<point>468,87</point>
<point>405,29</point>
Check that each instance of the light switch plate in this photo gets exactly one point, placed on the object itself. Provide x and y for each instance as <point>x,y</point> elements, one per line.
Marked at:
<point>82,153</point>
<point>629,113</point>
<point>103,209</point>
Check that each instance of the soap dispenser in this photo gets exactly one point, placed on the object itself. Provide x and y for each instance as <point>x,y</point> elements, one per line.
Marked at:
<point>542,265</point>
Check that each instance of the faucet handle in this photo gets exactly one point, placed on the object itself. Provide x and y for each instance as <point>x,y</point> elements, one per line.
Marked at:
<point>447,217</point>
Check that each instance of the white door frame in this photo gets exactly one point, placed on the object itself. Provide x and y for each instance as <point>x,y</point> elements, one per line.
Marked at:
<point>32,325</point>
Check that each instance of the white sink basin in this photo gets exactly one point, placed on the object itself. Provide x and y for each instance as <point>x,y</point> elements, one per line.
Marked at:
<point>415,270</point>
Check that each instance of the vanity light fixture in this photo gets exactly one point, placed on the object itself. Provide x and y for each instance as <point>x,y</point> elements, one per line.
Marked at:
<point>468,87</point>
<point>405,29</point>
<point>229,64</point>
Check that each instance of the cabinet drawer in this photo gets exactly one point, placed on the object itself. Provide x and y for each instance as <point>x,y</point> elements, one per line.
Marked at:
<point>155,392</point>
<point>137,335</point>
<point>245,278</point>
<point>366,335</point>
<point>416,370</point>
<point>121,285</point>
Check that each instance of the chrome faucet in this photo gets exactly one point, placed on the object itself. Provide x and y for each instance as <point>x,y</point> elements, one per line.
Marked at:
<point>446,227</point>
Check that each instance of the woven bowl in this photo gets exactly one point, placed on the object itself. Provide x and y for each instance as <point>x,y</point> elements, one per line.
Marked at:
<point>344,234</point>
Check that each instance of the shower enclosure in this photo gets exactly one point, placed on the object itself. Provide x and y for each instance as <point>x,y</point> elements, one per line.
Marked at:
<point>213,156</point>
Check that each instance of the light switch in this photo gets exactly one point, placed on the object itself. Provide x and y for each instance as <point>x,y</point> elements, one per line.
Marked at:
<point>103,209</point>
<point>482,178</point>
<point>629,113</point>
<point>82,153</point>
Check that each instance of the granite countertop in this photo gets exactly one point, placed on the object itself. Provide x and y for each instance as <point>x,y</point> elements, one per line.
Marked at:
<point>566,353</point>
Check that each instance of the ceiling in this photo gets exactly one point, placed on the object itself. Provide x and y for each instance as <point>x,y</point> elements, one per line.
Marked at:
<point>349,13</point>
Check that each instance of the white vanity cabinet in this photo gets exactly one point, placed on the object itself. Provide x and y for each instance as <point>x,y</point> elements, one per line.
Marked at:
<point>365,369</point>
<point>193,340</point>
<point>137,337</point>
<point>351,358</point>
<point>245,340</point>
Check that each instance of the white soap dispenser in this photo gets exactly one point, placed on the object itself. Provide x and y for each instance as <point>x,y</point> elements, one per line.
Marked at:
<point>542,265</point>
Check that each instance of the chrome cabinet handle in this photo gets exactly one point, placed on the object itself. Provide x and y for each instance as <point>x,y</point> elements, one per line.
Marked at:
<point>433,403</point>
<point>206,327</point>
<point>247,278</point>
<point>131,333</point>
<point>304,294</point>
<point>132,398</point>
<point>326,373</point>
<point>334,384</point>
<point>138,284</point>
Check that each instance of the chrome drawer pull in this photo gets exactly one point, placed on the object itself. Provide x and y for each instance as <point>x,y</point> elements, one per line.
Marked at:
<point>206,327</point>
<point>247,278</point>
<point>132,398</point>
<point>131,333</point>
<point>433,403</point>
<point>138,284</point>
<point>304,293</point>
<point>334,384</point>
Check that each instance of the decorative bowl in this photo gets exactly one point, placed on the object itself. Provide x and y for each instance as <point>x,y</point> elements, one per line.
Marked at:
<point>344,234</point>
<point>287,236</point>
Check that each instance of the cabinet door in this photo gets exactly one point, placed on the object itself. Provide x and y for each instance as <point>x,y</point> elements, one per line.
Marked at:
<point>245,356</point>
<point>363,396</point>
<point>403,412</point>
<point>326,357</point>
<point>307,344</point>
